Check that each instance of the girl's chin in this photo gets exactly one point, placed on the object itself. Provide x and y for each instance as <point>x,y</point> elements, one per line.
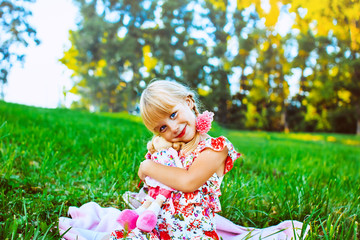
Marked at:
<point>187,137</point>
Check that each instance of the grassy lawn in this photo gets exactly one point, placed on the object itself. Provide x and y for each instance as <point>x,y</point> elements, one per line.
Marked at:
<point>55,158</point>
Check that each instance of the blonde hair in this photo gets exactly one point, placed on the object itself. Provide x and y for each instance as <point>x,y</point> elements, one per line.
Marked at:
<point>159,98</point>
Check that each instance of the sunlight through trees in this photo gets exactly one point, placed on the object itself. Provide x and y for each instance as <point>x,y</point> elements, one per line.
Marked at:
<point>290,65</point>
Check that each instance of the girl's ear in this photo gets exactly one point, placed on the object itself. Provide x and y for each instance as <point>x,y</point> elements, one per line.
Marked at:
<point>190,102</point>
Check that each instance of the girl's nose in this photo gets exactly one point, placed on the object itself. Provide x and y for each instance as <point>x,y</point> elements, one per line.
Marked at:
<point>173,127</point>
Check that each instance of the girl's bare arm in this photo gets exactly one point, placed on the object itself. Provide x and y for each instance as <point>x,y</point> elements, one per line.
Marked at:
<point>205,165</point>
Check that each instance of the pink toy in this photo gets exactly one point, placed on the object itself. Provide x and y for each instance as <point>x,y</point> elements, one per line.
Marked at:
<point>145,216</point>
<point>203,122</point>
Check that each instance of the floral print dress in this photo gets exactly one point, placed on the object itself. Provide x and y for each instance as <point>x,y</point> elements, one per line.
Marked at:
<point>190,215</point>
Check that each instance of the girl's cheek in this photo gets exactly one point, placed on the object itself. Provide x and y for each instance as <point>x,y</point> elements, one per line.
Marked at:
<point>165,136</point>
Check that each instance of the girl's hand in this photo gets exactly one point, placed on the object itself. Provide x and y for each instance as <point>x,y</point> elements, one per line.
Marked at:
<point>144,166</point>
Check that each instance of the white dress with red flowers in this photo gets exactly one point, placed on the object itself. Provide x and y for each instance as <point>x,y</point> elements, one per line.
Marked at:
<point>167,157</point>
<point>190,215</point>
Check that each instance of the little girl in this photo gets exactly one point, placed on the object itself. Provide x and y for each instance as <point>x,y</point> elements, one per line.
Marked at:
<point>169,109</point>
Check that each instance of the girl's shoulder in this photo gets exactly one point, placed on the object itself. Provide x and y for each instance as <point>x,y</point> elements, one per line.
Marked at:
<point>216,144</point>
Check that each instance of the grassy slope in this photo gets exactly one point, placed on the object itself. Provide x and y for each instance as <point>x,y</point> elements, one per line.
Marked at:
<point>55,158</point>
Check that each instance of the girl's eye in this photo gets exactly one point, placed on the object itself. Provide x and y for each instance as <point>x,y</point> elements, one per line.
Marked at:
<point>162,128</point>
<point>173,115</point>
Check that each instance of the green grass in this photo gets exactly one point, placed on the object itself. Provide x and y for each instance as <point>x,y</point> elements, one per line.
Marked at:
<point>55,158</point>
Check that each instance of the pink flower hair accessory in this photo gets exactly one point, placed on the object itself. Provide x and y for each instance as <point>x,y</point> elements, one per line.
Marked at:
<point>203,122</point>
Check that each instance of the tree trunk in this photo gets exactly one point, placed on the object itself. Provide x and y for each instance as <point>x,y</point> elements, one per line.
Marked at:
<point>285,122</point>
<point>357,116</point>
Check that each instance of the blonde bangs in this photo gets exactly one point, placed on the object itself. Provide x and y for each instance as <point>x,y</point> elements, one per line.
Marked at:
<point>152,112</point>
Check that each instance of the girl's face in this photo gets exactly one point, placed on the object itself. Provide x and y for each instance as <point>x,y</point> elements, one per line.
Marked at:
<point>179,126</point>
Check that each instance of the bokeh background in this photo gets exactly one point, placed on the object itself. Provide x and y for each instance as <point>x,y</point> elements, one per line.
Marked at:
<point>275,65</point>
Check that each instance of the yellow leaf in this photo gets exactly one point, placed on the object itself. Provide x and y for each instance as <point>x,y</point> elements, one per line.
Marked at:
<point>265,46</point>
<point>102,63</point>
<point>323,27</point>
<point>286,68</point>
<point>99,67</point>
<point>149,61</point>
<point>146,50</point>
<point>82,83</point>
<point>74,90</point>
<point>227,66</point>
<point>344,95</point>
<point>272,97</point>
<point>258,82</point>
<point>99,72</point>
<point>127,63</point>
<point>243,52</point>
<point>120,86</point>
<point>272,17</point>
<point>318,83</point>
<point>219,4</point>
<point>334,71</point>
<point>241,4</point>
<point>355,36</point>
<point>286,91</point>
<point>311,113</point>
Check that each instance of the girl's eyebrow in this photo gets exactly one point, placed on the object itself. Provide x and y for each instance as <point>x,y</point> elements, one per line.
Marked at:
<point>174,109</point>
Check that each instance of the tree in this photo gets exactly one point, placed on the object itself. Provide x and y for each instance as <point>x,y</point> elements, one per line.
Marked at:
<point>338,22</point>
<point>16,33</point>
<point>109,70</point>
<point>180,56</point>
<point>328,51</point>
<point>220,70</point>
<point>107,54</point>
<point>121,46</point>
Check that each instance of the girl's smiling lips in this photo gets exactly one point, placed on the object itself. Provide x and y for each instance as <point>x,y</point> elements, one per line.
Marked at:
<point>182,133</point>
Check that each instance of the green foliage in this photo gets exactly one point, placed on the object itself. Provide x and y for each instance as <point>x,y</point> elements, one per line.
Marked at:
<point>15,32</point>
<point>55,158</point>
<point>114,58</point>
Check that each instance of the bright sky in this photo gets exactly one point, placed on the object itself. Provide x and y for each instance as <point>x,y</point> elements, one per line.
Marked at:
<point>42,79</point>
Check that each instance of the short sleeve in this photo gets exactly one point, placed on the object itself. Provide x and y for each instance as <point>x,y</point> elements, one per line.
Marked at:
<point>148,156</point>
<point>218,144</point>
